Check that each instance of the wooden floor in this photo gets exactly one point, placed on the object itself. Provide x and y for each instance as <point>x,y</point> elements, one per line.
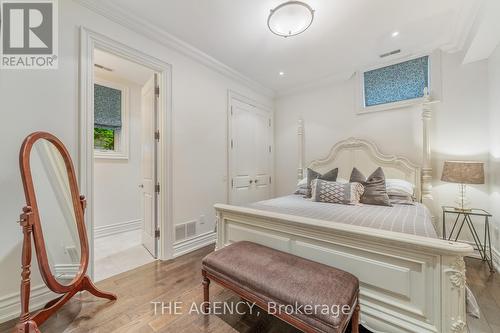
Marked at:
<point>179,280</point>
<point>486,288</point>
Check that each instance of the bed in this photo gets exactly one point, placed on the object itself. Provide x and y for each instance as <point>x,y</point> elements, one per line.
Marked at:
<point>411,280</point>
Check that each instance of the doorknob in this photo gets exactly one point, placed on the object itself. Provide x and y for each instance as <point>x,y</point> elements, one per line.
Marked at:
<point>250,181</point>
<point>141,185</point>
<point>256,181</point>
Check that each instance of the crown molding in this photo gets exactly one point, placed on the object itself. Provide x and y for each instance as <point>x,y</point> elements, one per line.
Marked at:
<point>153,32</point>
<point>463,26</point>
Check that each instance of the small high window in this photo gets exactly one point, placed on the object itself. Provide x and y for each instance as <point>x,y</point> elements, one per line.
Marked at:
<point>395,85</point>
<point>110,123</point>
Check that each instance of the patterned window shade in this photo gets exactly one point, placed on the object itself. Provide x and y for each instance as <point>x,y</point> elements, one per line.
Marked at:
<point>107,107</point>
<point>396,83</point>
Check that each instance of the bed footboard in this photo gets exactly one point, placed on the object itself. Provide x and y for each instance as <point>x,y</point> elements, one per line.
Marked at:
<point>408,283</point>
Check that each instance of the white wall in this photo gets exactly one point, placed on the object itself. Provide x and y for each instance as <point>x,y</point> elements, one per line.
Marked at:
<point>47,100</point>
<point>460,126</point>
<point>117,196</point>
<point>494,99</point>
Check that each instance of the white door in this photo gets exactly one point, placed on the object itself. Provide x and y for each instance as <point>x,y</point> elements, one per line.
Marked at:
<point>148,165</point>
<point>250,156</point>
<point>263,155</point>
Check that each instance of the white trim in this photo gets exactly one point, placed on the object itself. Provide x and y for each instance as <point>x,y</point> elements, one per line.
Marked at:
<point>89,40</point>
<point>10,305</point>
<point>195,243</point>
<point>116,228</point>
<point>117,14</point>
<point>66,271</point>
<point>496,259</point>
<point>123,139</point>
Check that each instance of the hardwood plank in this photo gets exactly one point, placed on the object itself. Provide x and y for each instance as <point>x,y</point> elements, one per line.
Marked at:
<point>180,280</point>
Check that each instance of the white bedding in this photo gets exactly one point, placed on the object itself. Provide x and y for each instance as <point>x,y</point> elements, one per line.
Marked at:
<point>411,219</point>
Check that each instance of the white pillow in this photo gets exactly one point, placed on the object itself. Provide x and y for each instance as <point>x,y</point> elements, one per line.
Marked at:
<point>302,183</point>
<point>399,187</point>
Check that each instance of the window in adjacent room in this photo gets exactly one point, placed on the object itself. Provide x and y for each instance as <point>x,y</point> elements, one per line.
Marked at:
<point>110,121</point>
<point>396,85</point>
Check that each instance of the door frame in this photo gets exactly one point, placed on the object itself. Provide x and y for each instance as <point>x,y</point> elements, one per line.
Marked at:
<point>231,94</point>
<point>90,40</point>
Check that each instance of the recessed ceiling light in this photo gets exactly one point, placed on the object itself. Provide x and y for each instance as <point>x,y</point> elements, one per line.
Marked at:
<point>290,18</point>
<point>282,73</point>
<point>395,34</point>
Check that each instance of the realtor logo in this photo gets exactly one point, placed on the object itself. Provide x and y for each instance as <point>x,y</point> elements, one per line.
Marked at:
<point>28,34</point>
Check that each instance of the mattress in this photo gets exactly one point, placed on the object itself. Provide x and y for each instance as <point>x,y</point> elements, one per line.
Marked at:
<point>410,219</point>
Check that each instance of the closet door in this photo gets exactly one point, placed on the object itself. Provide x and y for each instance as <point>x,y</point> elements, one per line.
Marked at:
<point>242,152</point>
<point>263,154</point>
<point>250,153</point>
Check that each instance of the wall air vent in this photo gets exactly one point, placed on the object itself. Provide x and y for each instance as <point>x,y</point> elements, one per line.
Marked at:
<point>180,232</point>
<point>383,55</point>
<point>185,230</point>
<point>103,67</point>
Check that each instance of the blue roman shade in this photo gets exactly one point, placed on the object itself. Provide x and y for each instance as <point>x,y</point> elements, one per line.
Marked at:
<point>396,83</point>
<point>107,107</point>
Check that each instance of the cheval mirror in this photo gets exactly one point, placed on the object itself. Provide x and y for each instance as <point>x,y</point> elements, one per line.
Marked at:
<point>53,217</point>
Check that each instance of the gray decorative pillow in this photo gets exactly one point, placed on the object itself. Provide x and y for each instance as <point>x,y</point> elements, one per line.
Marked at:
<point>401,200</point>
<point>375,190</point>
<point>333,192</point>
<point>311,175</point>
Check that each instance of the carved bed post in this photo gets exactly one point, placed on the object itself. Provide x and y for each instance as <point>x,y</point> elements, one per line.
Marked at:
<point>453,294</point>
<point>300,133</point>
<point>427,198</point>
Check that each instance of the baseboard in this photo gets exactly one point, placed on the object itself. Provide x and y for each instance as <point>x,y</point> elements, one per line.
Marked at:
<point>116,228</point>
<point>66,271</point>
<point>10,305</point>
<point>496,259</point>
<point>191,244</point>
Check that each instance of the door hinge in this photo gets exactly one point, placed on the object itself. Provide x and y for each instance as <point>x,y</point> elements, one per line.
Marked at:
<point>157,188</point>
<point>269,148</point>
<point>270,180</point>
<point>157,91</point>
<point>269,122</point>
<point>157,233</point>
<point>157,135</point>
<point>232,144</point>
<point>231,110</point>
<point>232,182</point>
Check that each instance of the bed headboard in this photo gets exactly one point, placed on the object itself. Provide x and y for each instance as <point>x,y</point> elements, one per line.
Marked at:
<point>365,156</point>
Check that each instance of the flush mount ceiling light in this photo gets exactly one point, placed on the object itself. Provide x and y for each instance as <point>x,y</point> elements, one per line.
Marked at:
<point>290,18</point>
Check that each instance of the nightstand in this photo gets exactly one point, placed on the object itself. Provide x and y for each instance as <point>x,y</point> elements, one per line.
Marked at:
<point>464,217</point>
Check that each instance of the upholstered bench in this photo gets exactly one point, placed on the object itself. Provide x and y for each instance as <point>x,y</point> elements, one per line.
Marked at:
<point>308,295</point>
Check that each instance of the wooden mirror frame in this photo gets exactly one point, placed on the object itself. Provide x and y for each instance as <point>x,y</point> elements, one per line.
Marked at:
<point>31,224</point>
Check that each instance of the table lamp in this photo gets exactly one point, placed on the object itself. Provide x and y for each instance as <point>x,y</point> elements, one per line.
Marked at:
<point>463,173</point>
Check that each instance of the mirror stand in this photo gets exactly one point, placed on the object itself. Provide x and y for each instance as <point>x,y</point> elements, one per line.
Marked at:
<point>28,323</point>
<point>54,209</point>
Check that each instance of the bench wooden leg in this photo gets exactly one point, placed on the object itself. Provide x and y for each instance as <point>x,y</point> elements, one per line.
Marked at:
<point>355,319</point>
<point>206,291</point>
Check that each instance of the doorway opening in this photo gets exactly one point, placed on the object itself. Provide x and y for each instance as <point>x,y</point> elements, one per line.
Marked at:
<point>125,164</point>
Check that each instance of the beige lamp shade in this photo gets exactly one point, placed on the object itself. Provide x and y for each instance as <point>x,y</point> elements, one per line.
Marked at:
<point>463,172</point>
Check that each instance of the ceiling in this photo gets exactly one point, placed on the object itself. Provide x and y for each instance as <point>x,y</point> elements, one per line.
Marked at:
<point>121,68</point>
<point>346,35</point>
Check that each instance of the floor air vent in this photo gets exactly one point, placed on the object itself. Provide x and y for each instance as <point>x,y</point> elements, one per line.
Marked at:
<point>185,230</point>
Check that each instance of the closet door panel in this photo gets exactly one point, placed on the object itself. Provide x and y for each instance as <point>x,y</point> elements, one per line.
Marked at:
<point>262,141</point>
<point>243,153</point>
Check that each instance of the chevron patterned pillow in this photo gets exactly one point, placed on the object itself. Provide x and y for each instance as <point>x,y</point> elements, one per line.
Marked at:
<point>334,192</point>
